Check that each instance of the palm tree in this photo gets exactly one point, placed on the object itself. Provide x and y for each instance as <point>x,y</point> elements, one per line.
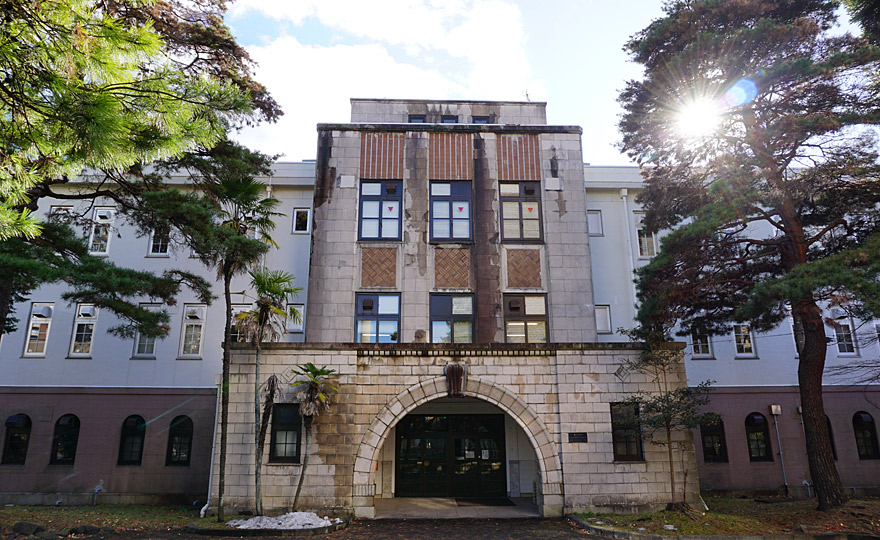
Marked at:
<point>312,392</point>
<point>266,322</point>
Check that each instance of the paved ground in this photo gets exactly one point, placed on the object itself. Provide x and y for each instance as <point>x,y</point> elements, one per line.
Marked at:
<point>414,529</point>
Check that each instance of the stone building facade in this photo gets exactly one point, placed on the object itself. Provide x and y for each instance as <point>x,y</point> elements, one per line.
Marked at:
<point>450,234</point>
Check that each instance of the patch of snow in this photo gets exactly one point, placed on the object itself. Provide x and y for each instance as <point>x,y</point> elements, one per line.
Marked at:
<point>669,527</point>
<point>292,520</point>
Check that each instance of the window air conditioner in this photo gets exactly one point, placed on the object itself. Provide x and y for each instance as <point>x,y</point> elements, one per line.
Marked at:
<point>104,215</point>
<point>43,312</point>
<point>195,313</point>
<point>88,311</point>
<point>838,313</point>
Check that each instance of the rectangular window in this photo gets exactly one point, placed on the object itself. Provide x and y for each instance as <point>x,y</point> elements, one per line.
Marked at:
<point>377,318</point>
<point>83,330</point>
<point>451,211</point>
<point>448,119</point>
<point>145,346</point>
<point>452,318</point>
<point>293,325</point>
<point>60,212</point>
<point>160,240</point>
<point>525,318</point>
<point>416,119</point>
<point>647,240</point>
<point>193,328</point>
<point>843,335</point>
<point>603,319</point>
<point>626,436</point>
<point>99,237</point>
<point>744,340</point>
<point>286,430</point>
<point>714,445</point>
<point>301,220</point>
<point>521,212</point>
<point>701,345</point>
<point>594,222</point>
<point>380,210</point>
<point>480,120</point>
<point>238,332</point>
<point>38,329</point>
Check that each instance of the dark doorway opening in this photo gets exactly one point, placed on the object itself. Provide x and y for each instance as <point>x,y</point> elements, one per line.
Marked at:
<point>453,455</point>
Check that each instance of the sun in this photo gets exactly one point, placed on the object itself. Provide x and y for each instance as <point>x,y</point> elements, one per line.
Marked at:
<point>698,119</point>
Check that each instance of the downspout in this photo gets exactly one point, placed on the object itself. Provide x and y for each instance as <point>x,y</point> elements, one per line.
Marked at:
<point>629,255</point>
<point>213,449</point>
<point>776,410</point>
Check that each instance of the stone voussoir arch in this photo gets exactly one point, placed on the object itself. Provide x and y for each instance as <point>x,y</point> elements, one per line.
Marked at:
<point>431,389</point>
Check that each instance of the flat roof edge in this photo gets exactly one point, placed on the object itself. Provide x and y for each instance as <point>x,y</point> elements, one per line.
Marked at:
<point>452,128</point>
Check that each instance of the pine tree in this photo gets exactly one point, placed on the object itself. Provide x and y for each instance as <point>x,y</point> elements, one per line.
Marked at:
<point>750,125</point>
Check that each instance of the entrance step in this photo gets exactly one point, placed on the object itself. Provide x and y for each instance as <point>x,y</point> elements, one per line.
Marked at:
<point>447,508</point>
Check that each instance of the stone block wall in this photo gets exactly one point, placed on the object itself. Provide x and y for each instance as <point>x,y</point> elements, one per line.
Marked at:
<point>549,391</point>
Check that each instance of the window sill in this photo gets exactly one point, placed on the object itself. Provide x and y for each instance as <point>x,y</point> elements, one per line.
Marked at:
<point>629,461</point>
<point>380,240</point>
<point>157,256</point>
<point>26,356</point>
<point>136,357</point>
<point>61,464</point>
<point>695,357</point>
<point>443,242</point>
<point>89,357</point>
<point>102,255</point>
<point>300,232</point>
<point>744,357</point>
<point>188,358</point>
<point>284,463</point>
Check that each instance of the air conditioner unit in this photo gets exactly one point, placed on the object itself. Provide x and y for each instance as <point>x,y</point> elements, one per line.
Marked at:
<point>43,312</point>
<point>195,313</point>
<point>104,215</point>
<point>88,311</point>
<point>838,313</point>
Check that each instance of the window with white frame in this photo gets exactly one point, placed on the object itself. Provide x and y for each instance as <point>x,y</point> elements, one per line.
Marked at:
<point>744,340</point>
<point>603,319</point>
<point>193,331</point>
<point>594,222</point>
<point>83,330</point>
<point>301,220</point>
<point>647,240</point>
<point>99,238</point>
<point>145,346</point>
<point>294,325</point>
<point>238,334</point>
<point>38,329</point>
<point>160,241</point>
<point>60,212</point>
<point>844,337</point>
<point>701,345</point>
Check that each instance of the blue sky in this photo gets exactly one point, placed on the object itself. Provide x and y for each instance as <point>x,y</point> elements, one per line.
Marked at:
<point>314,55</point>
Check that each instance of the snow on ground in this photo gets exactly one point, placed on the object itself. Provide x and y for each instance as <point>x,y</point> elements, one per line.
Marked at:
<point>292,520</point>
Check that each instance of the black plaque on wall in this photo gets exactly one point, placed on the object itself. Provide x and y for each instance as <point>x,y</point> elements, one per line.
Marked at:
<point>578,436</point>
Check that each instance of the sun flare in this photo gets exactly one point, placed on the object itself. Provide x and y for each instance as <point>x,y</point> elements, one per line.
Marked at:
<point>698,119</point>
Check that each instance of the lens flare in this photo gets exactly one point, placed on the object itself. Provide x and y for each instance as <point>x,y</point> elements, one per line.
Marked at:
<point>699,118</point>
<point>743,91</point>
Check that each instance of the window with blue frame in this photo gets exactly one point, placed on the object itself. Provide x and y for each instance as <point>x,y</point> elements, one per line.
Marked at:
<point>377,318</point>
<point>452,318</point>
<point>451,211</point>
<point>380,210</point>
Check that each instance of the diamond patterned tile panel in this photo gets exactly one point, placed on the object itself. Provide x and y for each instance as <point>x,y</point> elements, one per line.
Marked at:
<point>523,268</point>
<point>452,267</point>
<point>379,267</point>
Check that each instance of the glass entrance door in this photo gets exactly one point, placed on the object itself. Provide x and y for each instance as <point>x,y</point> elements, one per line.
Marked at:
<point>451,456</point>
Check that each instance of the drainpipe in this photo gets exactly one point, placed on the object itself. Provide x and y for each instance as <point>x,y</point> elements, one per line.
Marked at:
<point>213,449</point>
<point>629,245</point>
<point>776,410</point>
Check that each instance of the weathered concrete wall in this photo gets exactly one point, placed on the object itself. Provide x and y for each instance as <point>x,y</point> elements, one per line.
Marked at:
<point>549,391</point>
<point>398,111</point>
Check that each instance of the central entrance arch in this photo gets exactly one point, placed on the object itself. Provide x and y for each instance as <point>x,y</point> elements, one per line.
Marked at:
<point>517,413</point>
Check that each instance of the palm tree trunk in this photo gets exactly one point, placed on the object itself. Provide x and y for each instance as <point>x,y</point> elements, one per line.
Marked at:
<point>671,461</point>
<point>263,427</point>
<point>307,425</point>
<point>258,451</point>
<point>224,395</point>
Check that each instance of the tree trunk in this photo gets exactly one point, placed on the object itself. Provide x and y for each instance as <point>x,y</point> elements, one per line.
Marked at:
<point>5,305</point>
<point>224,394</point>
<point>258,450</point>
<point>262,428</point>
<point>307,425</point>
<point>671,461</point>
<point>829,488</point>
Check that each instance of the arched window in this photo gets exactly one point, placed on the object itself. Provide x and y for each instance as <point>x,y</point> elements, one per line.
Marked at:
<point>758,437</point>
<point>866,435</point>
<point>714,445</point>
<point>131,443</point>
<point>180,436</point>
<point>15,443</point>
<point>64,440</point>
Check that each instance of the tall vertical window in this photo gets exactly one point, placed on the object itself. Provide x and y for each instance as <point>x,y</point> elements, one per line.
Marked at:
<point>99,237</point>
<point>180,435</point>
<point>594,222</point>
<point>626,436</point>
<point>15,443</point>
<point>145,346</point>
<point>701,346</point>
<point>380,210</point>
<point>744,341</point>
<point>521,211</point>
<point>38,329</point>
<point>714,444</point>
<point>301,220</point>
<point>647,240</point>
<point>160,241</point>
<point>83,330</point>
<point>286,429</point>
<point>131,441</point>
<point>451,211</point>
<point>603,319</point>
<point>758,437</point>
<point>525,318</point>
<point>377,318</point>
<point>193,328</point>
<point>865,432</point>
<point>238,333</point>
<point>843,335</point>
<point>452,318</point>
<point>64,440</point>
<point>295,324</point>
